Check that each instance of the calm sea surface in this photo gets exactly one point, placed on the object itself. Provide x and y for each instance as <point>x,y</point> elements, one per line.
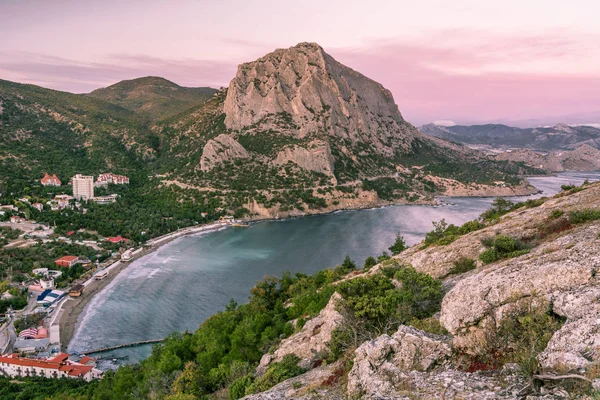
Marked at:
<point>182,283</point>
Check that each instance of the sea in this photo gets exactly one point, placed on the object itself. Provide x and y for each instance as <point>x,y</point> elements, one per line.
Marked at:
<point>184,282</point>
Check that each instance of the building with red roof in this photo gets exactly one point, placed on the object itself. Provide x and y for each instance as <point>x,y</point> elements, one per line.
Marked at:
<point>117,239</point>
<point>67,261</point>
<point>57,367</point>
<point>50,180</point>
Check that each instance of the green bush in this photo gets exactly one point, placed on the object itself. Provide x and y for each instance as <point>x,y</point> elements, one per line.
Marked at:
<point>489,256</point>
<point>444,234</point>
<point>399,245</point>
<point>521,335</point>
<point>585,215</point>
<point>462,265</point>
<point>502,247</point>
<point>370,262</point>
<point>556,214</point>
<point>238,388</point>
<point>276,373</point>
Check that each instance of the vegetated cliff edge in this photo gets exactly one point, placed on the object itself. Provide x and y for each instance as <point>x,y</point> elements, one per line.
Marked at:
<point>519,317</point>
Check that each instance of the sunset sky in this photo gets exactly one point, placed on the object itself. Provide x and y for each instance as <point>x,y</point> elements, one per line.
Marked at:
<point>522,62</point>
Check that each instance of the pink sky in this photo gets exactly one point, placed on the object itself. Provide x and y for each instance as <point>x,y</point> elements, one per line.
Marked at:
<point>522,62</point>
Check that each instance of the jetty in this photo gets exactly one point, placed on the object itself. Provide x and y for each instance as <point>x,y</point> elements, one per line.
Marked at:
<point>122,346</point>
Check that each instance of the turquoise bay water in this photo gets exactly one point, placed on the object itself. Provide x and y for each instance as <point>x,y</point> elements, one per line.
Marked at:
<point>181,284</point>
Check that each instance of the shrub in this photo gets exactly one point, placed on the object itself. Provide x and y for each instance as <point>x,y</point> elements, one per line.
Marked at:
<point>499,207</point>
<point>502,246</point>
<point>276,373</point>
<point>521,335</point>
<point>399,245</point>
<point>556,214</point>
<point>489,256</point>
<point>237,389</point>
<point>370,262</point>
<point>554,224</point>
<point>585,215</point>
<point>444,234</point>
<point>462,265</point>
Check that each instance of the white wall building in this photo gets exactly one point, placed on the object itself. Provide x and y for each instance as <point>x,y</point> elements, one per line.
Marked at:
<point>57,367</point>
<point>83,187</point>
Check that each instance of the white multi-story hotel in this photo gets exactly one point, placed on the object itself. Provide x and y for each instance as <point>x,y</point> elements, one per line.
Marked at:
<point>83,187</point>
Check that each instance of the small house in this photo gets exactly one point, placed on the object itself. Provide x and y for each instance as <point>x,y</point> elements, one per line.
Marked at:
<point>67,261</point>
<point>76,290</point>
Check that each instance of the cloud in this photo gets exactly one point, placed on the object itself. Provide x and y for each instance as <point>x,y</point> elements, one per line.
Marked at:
<point>464,76</point>
<point>485,78</point>
<point>75,76</point>
<point>444,122</point>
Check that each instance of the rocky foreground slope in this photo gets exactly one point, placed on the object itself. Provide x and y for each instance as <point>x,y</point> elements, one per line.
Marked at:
<point>520,316</point>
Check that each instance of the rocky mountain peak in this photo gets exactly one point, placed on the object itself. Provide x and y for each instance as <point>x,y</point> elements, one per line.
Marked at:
<point>320,95</point>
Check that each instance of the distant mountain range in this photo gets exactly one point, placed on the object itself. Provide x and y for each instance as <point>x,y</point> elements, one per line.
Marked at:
<point>561,136</point>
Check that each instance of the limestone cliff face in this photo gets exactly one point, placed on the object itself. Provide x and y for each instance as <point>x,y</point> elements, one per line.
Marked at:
<point>584,158</point>
<point>222,148</point>
<point>316,156</point>
<point>321,95</point>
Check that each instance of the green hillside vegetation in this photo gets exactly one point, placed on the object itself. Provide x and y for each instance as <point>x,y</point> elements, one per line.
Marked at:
<point>117,129</point>
<point>153,97</point>
<point>226,348</point>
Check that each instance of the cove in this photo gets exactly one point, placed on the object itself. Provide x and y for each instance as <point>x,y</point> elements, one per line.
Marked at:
<point>184,282</point>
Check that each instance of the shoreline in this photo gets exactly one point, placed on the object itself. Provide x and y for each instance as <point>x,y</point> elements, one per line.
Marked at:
<point>73,310</point>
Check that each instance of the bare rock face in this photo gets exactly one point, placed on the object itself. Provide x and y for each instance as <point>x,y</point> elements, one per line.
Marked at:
<point>378,362</point>
<point>577,344</point>
<point>312,339</point>
<point>315,156</point>
<point>222,148</point>
<point>564,278</point>
<point>321,95</point>
<point>537,275</point>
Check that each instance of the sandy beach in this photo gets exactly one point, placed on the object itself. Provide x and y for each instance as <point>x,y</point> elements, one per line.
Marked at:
<point>73,308</point>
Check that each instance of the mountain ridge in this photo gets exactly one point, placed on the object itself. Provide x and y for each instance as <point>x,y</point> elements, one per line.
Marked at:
<point>296,132</point>
<point>541,138</point>
<point>152,96</point>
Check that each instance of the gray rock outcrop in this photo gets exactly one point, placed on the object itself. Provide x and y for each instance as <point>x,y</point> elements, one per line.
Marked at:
<point>312,340</point>
<point>320,95</point>
<point>220,149</point>
<point>379,364</point>
<point>314,156</point>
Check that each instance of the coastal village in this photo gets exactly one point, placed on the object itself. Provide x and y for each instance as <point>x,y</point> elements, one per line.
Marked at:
<point>30,336</point>
<point>39,310</point>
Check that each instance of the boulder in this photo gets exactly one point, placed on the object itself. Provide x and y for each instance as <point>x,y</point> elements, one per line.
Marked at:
<point>311,341</point>
<point>220,149</point>
<point>539,274</point>
<point>379,364</point>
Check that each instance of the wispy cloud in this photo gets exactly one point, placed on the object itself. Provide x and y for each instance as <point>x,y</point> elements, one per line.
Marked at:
<point>473,77</point>
<point>460,75</point>
<point>76,76</point>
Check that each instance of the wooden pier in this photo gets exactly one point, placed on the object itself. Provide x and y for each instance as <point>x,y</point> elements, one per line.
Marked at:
<point>122,346</point>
